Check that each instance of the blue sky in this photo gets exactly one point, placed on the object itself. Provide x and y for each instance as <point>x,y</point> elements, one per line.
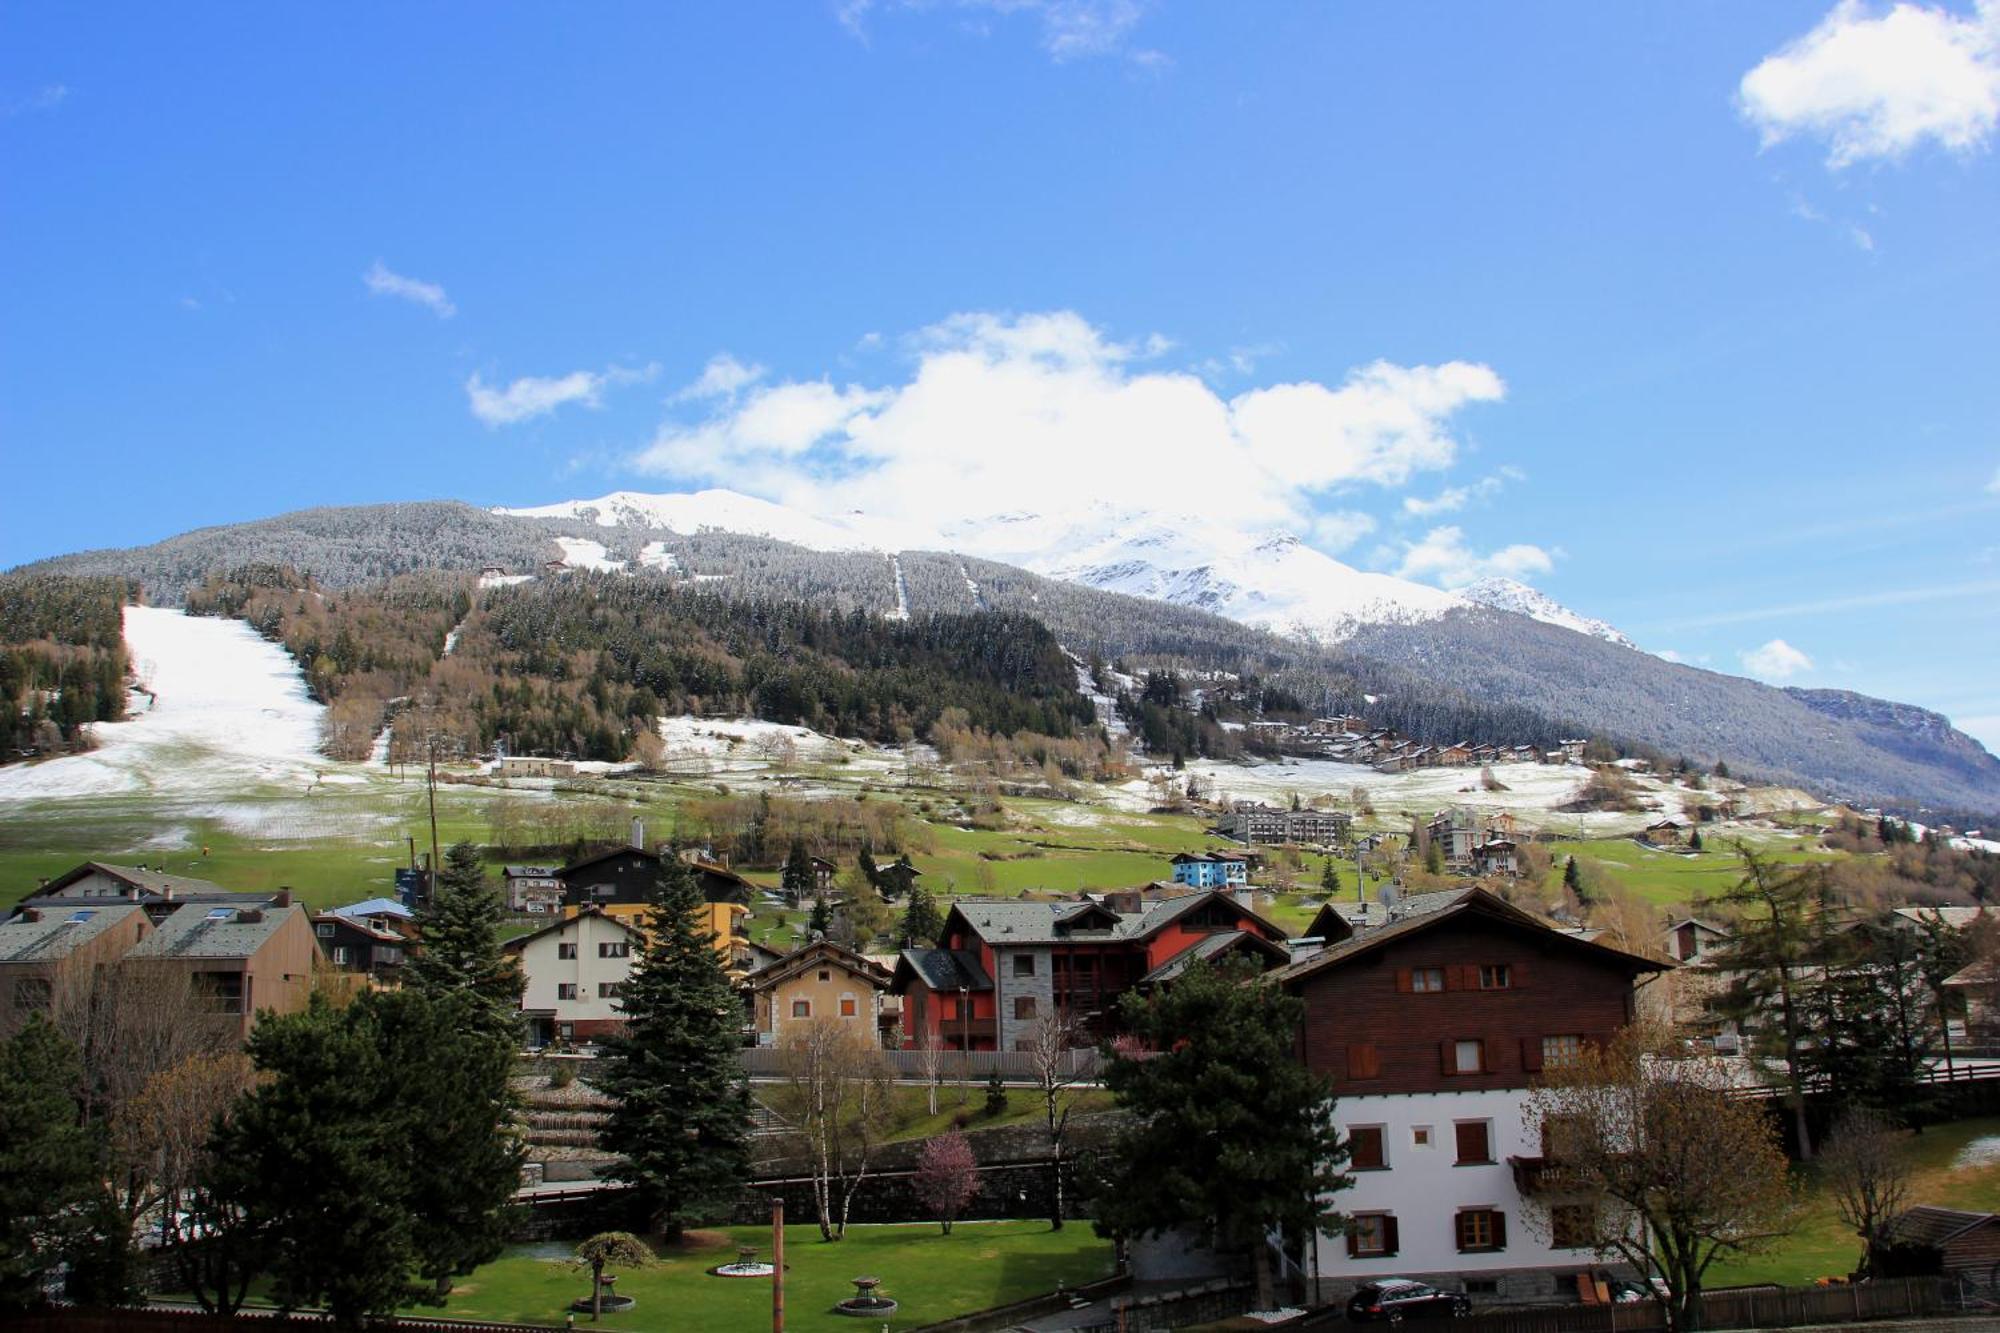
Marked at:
<point>1687,315</point>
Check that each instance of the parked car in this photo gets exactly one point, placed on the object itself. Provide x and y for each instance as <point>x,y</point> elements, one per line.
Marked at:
<point>1399,1298</point>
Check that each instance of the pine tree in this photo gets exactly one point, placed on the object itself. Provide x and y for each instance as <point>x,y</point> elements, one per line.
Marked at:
<point>820,921</point>
<point>869,874</point>
<point>1329,878</point>
<point>1231,1138</point>
<point>921,920</point>
<point>48,1166</point>
<point>796,880</point>
<point>460,954</point>
<point>1573,878</point>
<point>683,1110</point>
<point>1433,856</point>
<point>1694,841</point>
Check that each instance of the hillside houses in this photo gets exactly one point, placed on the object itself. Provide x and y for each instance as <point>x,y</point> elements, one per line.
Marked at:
<point>1475,842</point>
<point>1250,822</point>
<point>1351,740</point>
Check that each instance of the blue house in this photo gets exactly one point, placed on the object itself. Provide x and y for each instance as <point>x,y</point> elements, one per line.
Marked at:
<point>1210,870</point>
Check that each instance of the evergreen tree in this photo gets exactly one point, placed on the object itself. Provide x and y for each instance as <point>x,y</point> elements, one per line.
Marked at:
<point>1573,878</point>
<point>48,1161</point>
<point>459,932</point>
<point>1433,856</point>
<point>869,874</point>
<point>820,921</point>
<point>1232,1137</point>
<point>1721,769</point>
<point>1694,841</point>
<point>1329,878</point>
<point>796,880</point>
<point>921,920</point>
<point>682,1114</point>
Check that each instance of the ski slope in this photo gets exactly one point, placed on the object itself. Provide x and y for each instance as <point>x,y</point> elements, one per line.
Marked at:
<point>230,714</point>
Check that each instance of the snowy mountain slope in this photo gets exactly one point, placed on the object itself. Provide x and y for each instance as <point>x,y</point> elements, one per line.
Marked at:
<point>1265,578</point>
<point>1508,595</point>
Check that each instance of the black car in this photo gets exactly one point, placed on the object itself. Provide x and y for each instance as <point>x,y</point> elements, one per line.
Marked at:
<point>1400,1298</point>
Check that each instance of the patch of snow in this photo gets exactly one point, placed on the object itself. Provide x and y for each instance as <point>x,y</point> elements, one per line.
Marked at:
<point>655,555</point>
<point>902,611</point>
<point>504,580</point>
<point>451,640</point>
<point>231,713</point>
<point>582,553</point>
<point>1509,595</point>
<point>378,753</point>
<point>1981,1152</point>
<point>972,587</point>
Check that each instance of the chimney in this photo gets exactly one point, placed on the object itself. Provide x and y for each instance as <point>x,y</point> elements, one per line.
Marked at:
<point>250,915</point>
<point>31,914</point>
<point>639,833</point>
<point>284,898</point>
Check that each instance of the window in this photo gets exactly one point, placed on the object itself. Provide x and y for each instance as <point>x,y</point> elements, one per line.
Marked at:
<point>1563,1136</point>
<point>1420,1136</point>
<point>825,974</point>
<point>1087,963</point>
<point>802,1008</point>
<point>32,993</point>
<point>1465,1056</point>
<point>610,990</point>
<point>1481,1229</point>
<point>1024,965</point>
<point>1371,1235</point>
<point>324,930</point>
<point>1475,1142</point>
<point>1363,1061</point>
<point>848,1008</point>
<point>1364,1148</point>
<point>566,1031</point>
<point>565,990</point>
<point>1495,976</point>
<point>1024,1006</point>
<point>223,989</point>
<point>388,954</point>
<point>341,953</point>
<point>1482,1286</point>
<point>1560,1051</point>
<point>1426,980</point>
<point>615,949</point>
<point>566,950</point>
<point>1571,1227</point>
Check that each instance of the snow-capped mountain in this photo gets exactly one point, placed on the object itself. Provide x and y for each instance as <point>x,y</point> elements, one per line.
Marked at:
<point>1507,595</point>
<point>1265,578</point>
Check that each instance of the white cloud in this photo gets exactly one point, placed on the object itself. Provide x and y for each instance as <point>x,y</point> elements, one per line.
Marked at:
<point>723,377</point>
<point>1776,660</point>
<point>1877,84</point>
<point>1042,411</point>
<point>533,396</point>
<point>1070,29</point>
<point>1993,486</point>
<point>1340,529</point>
<point>1454,498</point>
<point>1443,557</point>
<point>382,282</point>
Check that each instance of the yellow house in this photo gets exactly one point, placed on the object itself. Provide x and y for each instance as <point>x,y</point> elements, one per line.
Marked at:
<point>818,980</point>
<point>725,921</point>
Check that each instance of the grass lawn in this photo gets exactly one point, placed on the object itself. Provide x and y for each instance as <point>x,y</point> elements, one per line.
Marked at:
<point>1024,1106</point>
<point>932,1276</point>
<point>1822,1247</point>
<point>1667,879</point>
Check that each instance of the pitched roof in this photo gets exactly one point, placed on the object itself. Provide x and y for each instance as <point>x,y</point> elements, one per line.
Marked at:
<point>1016,921</point>
<point>623,849</point>
<point>61,928</point>
<point>941,970</point>
<point>1214,946</point>
<point>808,956</point>
<point>374,907</point>
<point>1958,918</point>
<point>152,882</point>
<point>1422,911</point>
<point>520,942</point>
<point>1934,1227</point>
<point>198,930</point>
<point>359,924</point>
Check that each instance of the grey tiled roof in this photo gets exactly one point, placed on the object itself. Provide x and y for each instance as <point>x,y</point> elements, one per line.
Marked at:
<point>150,881</point>
<point>1930,1226</point>
<point>197,931</point>
<point>62,928</point>
<point>946,969</point>
<point>1012,921</point>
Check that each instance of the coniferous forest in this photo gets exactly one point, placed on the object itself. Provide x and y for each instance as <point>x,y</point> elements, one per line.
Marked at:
<point>62,660</point>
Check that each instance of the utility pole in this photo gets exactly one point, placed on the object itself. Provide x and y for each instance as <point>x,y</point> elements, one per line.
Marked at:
<point>431,786</point>
<point>777,1263</point>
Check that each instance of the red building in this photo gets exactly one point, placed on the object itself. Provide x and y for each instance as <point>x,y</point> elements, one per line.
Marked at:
<point>1003,964</point>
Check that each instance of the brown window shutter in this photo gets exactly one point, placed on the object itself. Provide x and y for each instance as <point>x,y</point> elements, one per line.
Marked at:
<point>1361,1061</point>
<point>1390,1238</point>
<point>1353,1244</point>
<point>1468,977</point>
<point>1499,1230</point>
<point>1403,980</point>
<point>1531,1054</point>
<point>1471,1142</point>
<point>1448,1053</point>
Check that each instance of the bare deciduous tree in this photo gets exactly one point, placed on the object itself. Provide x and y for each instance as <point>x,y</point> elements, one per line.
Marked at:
<point>930,1060</point>
<point>1056,1034</point>
<point>836,1096</point>
<point>1648,1159</point>
<point>1864,1169</point>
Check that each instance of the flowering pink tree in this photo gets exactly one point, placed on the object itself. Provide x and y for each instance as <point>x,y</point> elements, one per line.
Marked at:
<point>947,1177</point>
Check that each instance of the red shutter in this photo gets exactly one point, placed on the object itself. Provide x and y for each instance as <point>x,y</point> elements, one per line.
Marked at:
<point>1531,1054</point>
<point>1390,1239</point>
<point>1403,980</point>
<point>1448,1052</point>
<point>1499,1230</point>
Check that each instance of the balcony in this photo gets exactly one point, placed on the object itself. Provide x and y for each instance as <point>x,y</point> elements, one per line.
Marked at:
<point>959,1029</point>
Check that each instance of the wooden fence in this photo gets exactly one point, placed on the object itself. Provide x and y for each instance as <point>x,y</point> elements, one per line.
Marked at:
<point>1734,1307</point>
<point>953,1066</point>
